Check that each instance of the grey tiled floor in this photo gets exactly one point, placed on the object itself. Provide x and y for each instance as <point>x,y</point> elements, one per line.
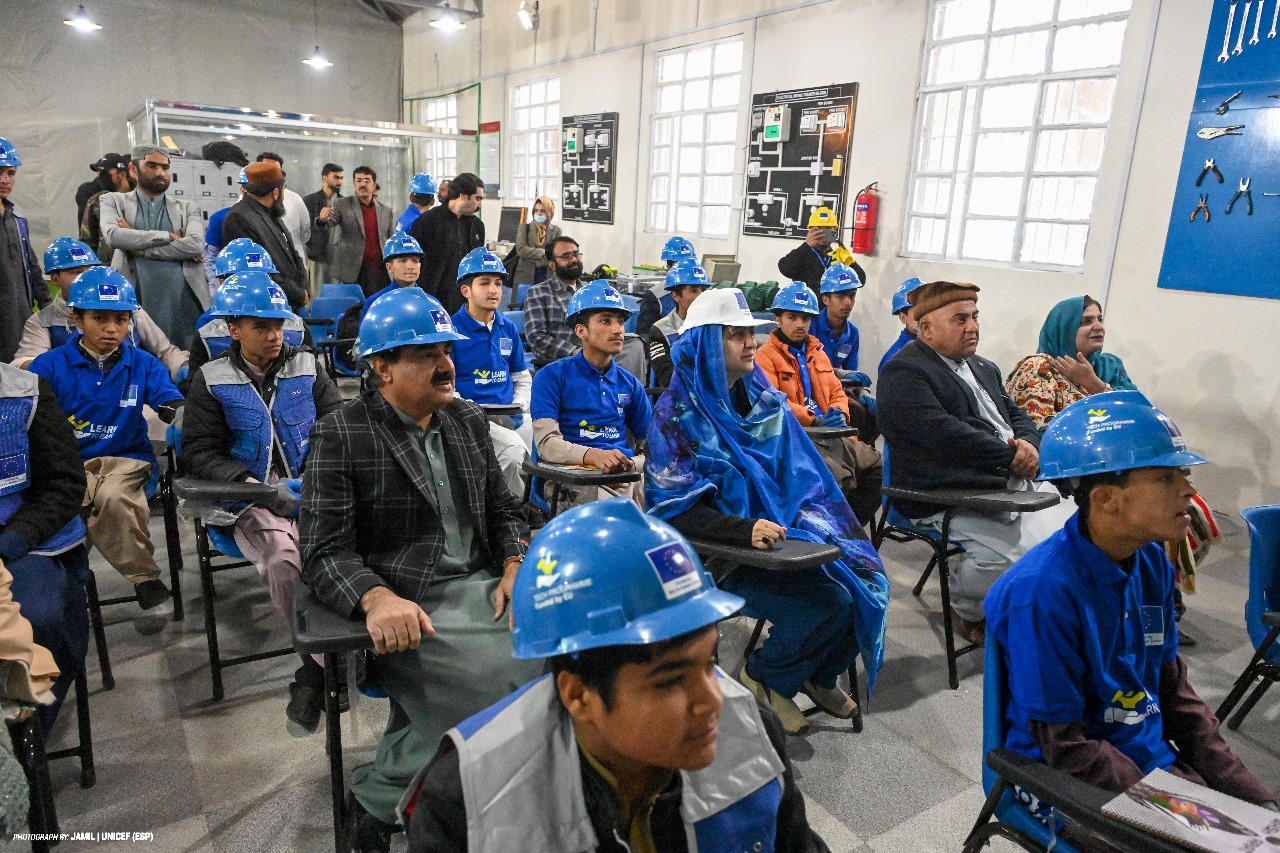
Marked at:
<point>227,776</point>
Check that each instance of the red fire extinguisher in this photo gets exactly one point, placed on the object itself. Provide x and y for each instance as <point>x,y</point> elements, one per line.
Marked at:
<point>866,210</point>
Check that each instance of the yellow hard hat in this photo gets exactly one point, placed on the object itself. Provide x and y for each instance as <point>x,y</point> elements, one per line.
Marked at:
<point>823,217</point>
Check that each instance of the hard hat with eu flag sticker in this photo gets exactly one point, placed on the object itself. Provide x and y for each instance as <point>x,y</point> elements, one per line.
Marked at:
<point>251,294</point>
<point>101,289</point>
<point>406,316</point>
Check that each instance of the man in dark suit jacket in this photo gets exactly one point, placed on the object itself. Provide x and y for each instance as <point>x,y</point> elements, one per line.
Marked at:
<point>407,523</point>
<point>318,248</point>
<point>949,424</point>
<point>357,256</point>
<point>446,233</point>
<point>257,215</point>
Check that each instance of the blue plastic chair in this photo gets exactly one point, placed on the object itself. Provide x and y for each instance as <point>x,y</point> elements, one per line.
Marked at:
<point>633,304</point>
<point>1260,612</point>
<point>517,320</point>
<point>522,293</point>
<point>342,291</point>
<point>1013,820</point>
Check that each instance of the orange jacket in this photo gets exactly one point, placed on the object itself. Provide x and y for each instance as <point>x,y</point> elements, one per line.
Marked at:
<point>783,373</point>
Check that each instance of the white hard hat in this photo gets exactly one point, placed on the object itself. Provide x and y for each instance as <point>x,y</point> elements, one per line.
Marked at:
<point>722,306</point>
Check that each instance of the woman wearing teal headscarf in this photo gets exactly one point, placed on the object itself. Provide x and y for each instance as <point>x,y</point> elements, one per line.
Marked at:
<point>729,462</point>
<point>1069,364</point>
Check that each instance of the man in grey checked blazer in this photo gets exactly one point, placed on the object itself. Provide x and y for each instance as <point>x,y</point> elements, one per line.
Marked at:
<point>407,523</point>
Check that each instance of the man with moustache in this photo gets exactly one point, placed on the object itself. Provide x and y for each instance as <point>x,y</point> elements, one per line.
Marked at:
<point>949,424</point>
<point>407,524</point>
<point>259,216</point>
<point>159,245</point>
<point>364,226</point>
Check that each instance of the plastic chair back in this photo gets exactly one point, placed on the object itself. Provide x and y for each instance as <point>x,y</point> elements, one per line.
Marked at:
<point>1264,572</point>
<point>344,291</point>
<point>633,304</point>
<point>517,320</point>
<point>224,542</point>
<point>522,293</point>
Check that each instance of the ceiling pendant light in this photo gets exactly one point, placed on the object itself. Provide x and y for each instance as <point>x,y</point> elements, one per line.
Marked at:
<point>317,59</point>
<point>81,21</point>
<point>448,20</point>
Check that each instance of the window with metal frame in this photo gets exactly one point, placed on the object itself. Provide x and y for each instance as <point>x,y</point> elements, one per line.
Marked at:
<point>1011,123</point>
<point>440,156</point>
<point>535,140</point>
<point>693,131</point>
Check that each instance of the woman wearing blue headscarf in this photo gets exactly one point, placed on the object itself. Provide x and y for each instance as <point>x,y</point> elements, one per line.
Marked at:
<point>729,462</point>
<point>1069,364</point>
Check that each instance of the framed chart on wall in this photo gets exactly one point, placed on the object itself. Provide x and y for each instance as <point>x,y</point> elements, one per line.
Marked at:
<point>1225,223</point>
<point>589,146</point>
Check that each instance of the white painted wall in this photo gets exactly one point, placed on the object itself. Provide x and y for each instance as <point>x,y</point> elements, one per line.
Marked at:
<point>1210,361</point>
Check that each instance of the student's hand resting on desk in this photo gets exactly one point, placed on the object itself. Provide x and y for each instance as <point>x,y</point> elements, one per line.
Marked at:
<point>395,624</point>
<point>1026,459</point>
<point>765,533</point>
<point>608,461</point>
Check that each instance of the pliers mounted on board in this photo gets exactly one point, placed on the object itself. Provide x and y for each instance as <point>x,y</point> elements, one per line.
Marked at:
<point>1209,167</point>
<point>1243,191</point>
<point>1203,204</point>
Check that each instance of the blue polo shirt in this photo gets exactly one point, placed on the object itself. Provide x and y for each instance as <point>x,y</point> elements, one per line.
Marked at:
<point>406,220</point>
<point>1084,640</point>
<point>594,409</point>
<point>842,350</point>
<point>487,359</point>
<point>902,341</point>
<point>106,410</point>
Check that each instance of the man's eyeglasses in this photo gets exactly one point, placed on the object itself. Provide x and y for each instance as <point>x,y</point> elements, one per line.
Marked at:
<point>570,256</point>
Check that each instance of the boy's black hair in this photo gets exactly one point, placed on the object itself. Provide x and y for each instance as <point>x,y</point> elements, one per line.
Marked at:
<point>598,668</point>
<point>1082,489</point>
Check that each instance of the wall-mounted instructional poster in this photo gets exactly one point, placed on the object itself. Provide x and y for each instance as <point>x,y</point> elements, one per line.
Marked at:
<point>1225,223</point>
<point>588,151</point>
<point>797,157</point>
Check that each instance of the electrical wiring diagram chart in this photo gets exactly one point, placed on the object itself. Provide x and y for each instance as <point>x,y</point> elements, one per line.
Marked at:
<point>589,145</point>
<point>797,157</point>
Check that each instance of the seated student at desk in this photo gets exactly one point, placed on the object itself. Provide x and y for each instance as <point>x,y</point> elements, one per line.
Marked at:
<point>102,382</point>
<point>402,257</point>
<point>632,728</point>
<point>728,462</point>
<point>584,405</point>
<point>490,362</point>
<point>686,281</point>
<point>658,301</point>
<point>1085,618</point>
<point>795,363</point>
<point>249,419</point>
<point>838,293</point>
<point>901,309</point>
<point>52,326</point>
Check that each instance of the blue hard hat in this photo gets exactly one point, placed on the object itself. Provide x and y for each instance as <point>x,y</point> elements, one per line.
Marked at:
<point>796,296</point>
<point>66,253</point>
<point>839,278</point>
<point>242,178</point>
<point>678,249</point>
<point>102,289</point>
<point>251,294</point>
<point>8,154</point>
<point>900,302</point>
<point>399,245</point>
<point>595,296</point>
<point>685,272</point>
<point>1111,432</point>
<point>606,574</point>
<point>242,255</point>
<point>480,260</point>
<point>404,317</point>
<point>422,184</point>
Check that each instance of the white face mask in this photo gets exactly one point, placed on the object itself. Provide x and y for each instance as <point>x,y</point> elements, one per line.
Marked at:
<point>540,218</point>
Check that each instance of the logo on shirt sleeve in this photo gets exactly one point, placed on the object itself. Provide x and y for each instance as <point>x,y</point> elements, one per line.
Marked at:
<point>1130,708</point>
<point>675,569</point>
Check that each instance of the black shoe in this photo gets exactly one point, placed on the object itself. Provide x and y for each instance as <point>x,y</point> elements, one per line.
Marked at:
<point>365,833</point>
<point>535,516</point>
<point>151,594</point>
<point>306,704</point>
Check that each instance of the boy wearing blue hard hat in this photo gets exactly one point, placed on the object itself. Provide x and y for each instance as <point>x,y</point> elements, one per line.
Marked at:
<point>838,292</point>
<point>52,325</point>
<point>686,281</point>
<point>1085,619</point>
<point>249,420</point>
<point>901,309</point>
<point>490,360</point>
<point>636,741</point>
<point>402,259</point>
<point>658,301</point>
<point>102,382</point>
<point>422,197</point>
<point>584,405</point>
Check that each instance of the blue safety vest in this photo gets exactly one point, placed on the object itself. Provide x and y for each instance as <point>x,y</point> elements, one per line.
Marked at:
<point>56,319</point>
<point>19,393</point>
<point>216,337</point>
<point>842,350</point>
<point>727,807</point>
<point>255,428</point>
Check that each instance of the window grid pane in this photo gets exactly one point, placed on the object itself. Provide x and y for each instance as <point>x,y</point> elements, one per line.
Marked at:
<point>440,156</point>
<point>535,140</point>
<point>1011,129</point>
<point>692,134</point>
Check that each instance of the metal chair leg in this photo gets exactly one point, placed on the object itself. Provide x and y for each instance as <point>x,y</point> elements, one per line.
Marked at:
<point>28,744</point>
<point>1238,717</point>
<point>99,632</point>
<point>948,630</point>
<point>855,690</point>
<point>928,570</point>
<point>204,558</point>
<point>1247,677</point>
<point>333,745</point>
<point>755,638</point>
<point>84,748</point>
<point>173,541</point>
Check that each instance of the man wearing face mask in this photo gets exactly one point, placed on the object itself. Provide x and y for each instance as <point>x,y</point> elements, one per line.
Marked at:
<point>808,261</point>
<point>447,233</point>
<point>258,215</point>
<point>159,245</point>
<point>549,335</point>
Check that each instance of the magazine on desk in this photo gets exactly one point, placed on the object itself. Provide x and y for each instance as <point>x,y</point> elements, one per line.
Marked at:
<point>1195,816</point>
